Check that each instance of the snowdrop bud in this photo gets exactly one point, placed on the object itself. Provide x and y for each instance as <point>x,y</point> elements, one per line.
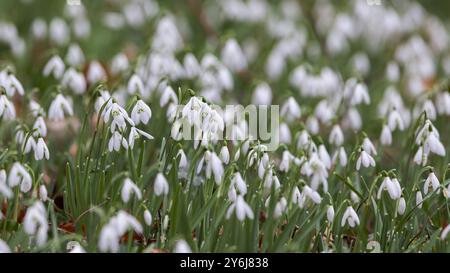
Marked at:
<point>141,113</point>
<point>350,217</point>
<point>183,160</point>
<point>336,136</point>
<point>291,110</point>
<point>401,206</point>
<point>386,136</point>
<point>444,233</point>
<point>419,199</point>
<point>224,154</point>
<point>39,28</point>
<point>161,186</point>
<point>148,217</point>
<point>324,156</point>
<point>95,72</point>
<point>4,248</point>
<point>233,56</point>
<point>354,119</point>
<point>181,246</point>
<point>262,94</point>
<point>18,175</point>
<point>214,166</point>
<point>312,124</point>
<point>354,197</point>
<point>191,66</point>
<point>368,147</point>
<point>238,182</point>
<point>43,193</point>
<point>55,66</point>
<point>75,56</point>
<point>59,31</point>
<point>41,150</point>
<point>129,188</point>
<point>40,127</point>
<point>330,214</point>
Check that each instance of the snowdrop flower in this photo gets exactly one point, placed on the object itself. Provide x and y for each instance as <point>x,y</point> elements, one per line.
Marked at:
<point>59,31</point>
<point>141,113</point>
<point>432,181</point>
<point>312,194</point>
<point>191,66</point>
<point>395,121</point>
<point>324,156</point>
<point>224,154</point>
<point>116,141</point>
<point>238,182</point>
<point>11,84</point>
<point>262,94</point>
<point>393,71</point>
<point>419,199</point>
<point>386,136</point>
<point>18,175</point>
<point>401,206</point>
<point>285,133</point>
<point>443,103</point>
<point>39,28</point>
<point>135,133</point>
<point>75,247</point>
<point>148,217</point>
<point>233,56</point>
<point>43,195</point>
<point>161,186</point>
<point>29,145</point>
<point>336,136</point>
<point>40,127</point>
<point>168,95</point>
<point>135,85</point>
<point>280,207</point>
<point>117,226</point>
<point>74,81</point>
<point>181,246</point>
<point>368,146</point>
<point>75,56</point>
<point>55,67</point>
<point>366,160</point>
<point>7,110</point>
<point>312,124</point>
<point>392,187</point>
<point>214,166</point>
<point>4,189</point>
<point>119,64</point>
<point>183,160</point>
<point>58,107</point>
<point>35,222</point>
<point>291,109</point>
<point>129,188</point>
<point>298,198</point>
<point>350,217</point>
<point>36,109</point>
<point>360,95</point>
<point>95,72</point>
<point>241,208</point>
<point>4,248</point>
<point>445,232</point>
<point>330,214</point>
<point>41,150</point>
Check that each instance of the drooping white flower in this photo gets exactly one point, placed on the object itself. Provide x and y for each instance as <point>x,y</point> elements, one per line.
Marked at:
<point>419,199</point>
<point>191,66</point>
<point>129,188</point>
<point>280,207</point>
<point>168,95</point>
<point>74,247</point>
<point>39,28</point>
<point>4,189</point>
<point>148,217</point>
<point>366,160</point>
<point>330,214</point>
<point>75,56</point>
<point>95,72</point>
<point>58,107</point>
<point>111,233</point>
<point>41,150</point>
<point>395,121</point>
<point>312,195</point>
<point>141,113</point>
<point>4,248</point>
<point>224,154</point>
<point>181,246</point>
<point>74,81</point>
<point>11,84</point>
<point>214,166</point>
<point>392,186</point>
<point>350,217</point>
<point>18,175</point>
<point>43,195</point>
<point>119,117</point>
<point>233,56</point>
<point>116,141</point>
<point>238,182</point>
<point>290,109</point>
<point>55,67</point>
<point>59,31</point>
<point>136,85</point>
<point>285,134</point>
<point>7,110</point>
<point>119,63</point>
<point>401,206</point>
<point>242,209</point>
<point>136,133</point>
<point>432,181</point>
<point>35,222</point>
<point>262,95</point>
<point>445,232</point>
<point>386,136</point>
<point>369,147</point>
<point>161,186</point>
<point>40,127</point>
<point>336,136</point>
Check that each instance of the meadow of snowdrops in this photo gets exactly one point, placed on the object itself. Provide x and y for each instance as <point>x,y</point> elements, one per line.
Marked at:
<point>91,158</point>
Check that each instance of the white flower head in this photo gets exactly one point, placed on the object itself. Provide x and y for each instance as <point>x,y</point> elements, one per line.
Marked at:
<point>141,113</point>
<point>350,217</point>
<point>241,208</point>
<point>129,188</point>
<point>18,175</point>
<point>161,186</point>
